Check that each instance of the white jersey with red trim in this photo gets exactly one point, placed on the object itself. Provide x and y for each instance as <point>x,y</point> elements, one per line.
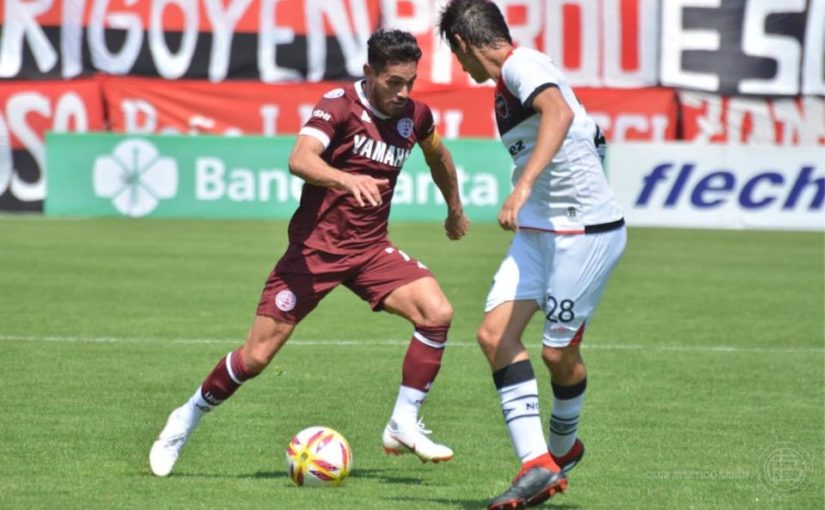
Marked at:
<point>572,191</point>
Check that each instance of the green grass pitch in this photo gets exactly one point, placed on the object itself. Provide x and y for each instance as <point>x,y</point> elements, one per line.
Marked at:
<point>706,372</point>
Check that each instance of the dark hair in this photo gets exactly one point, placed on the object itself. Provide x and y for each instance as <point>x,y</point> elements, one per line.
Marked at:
<point>478,22</point>
<point>391,47</point>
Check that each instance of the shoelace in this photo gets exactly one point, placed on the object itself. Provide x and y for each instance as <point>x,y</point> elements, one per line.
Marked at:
<point>422,428</point>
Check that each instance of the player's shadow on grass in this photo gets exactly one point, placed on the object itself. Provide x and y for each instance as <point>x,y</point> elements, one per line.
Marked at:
<point>389,476</point>
<point>382,475</point>
<point>374,474</point>
<point>386,476</point>
<point>474,504</point>
<point>267,475</point>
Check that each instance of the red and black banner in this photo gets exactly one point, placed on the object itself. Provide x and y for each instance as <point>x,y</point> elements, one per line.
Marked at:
<point>732,47</point>
<point>140,105</point>
<point>28,111</point>
<point>258,66</point>
<point>744,47</point>
<point>267,40</point>
<point>708,118</point>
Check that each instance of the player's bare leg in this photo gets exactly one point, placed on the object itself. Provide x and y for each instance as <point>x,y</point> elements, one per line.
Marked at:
<point>569,380</point>
<point>499,337</point>
<point>265,338</point>
<point>423,304</point>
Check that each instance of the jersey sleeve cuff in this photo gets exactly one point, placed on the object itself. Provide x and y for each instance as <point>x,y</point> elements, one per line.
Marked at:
<point>541,88</point>
<point>315,133</point>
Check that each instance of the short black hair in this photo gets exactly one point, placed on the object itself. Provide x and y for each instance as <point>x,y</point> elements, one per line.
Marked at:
<point>479,23</point>
<point>386,47</point>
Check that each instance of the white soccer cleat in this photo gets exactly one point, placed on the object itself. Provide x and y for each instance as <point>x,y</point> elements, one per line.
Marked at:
<point>167,446</point>
<point>399,441</point>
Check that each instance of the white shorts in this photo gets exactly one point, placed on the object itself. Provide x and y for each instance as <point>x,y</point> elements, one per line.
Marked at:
<point>565,274</point>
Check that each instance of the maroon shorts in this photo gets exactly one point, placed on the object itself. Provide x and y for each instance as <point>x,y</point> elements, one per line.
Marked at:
<point>303,276</point>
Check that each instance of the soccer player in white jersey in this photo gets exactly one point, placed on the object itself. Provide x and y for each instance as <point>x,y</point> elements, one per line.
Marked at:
<point>569,235</point>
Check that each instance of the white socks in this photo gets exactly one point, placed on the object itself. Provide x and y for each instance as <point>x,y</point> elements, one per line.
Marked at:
<point>567,405</point>
<point>405,412</point>
<point>520,405</point>
<point>519,394</point>
<point>197,406</point>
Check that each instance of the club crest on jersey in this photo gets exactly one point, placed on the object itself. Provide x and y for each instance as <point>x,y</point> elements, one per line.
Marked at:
<point>334,93</point>
<point>405,127</point>
<point>285,300</point>
<point>379,151</point>
<point>501,106</point>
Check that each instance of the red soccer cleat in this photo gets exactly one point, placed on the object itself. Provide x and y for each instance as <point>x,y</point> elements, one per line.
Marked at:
<point>570,459</point>
<point>536,482</point>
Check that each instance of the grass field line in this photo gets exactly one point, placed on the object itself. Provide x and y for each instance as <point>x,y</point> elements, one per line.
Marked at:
<point>396,342</point>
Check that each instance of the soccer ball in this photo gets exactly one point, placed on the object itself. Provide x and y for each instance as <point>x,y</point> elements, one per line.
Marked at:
<point>318,456</point>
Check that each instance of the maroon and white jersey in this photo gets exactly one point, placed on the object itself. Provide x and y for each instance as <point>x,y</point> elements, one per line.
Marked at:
<point>358,139</point>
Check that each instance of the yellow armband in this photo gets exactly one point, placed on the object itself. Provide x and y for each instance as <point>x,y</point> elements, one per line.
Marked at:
<point>430,144</point>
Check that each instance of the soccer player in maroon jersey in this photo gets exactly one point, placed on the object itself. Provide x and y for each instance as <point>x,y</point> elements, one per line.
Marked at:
<point>350,153</point>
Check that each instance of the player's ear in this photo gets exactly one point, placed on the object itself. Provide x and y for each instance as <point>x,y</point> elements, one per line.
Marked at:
<point>460,44</point>
<point>369,72</point>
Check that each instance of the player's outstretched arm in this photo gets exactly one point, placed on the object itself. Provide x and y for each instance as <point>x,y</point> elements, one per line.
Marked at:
<point>305,162</point>
<point>556,118</point>
<point>443,170</point>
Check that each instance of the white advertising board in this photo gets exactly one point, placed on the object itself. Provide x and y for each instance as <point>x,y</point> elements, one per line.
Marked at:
<point>681,184</point>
